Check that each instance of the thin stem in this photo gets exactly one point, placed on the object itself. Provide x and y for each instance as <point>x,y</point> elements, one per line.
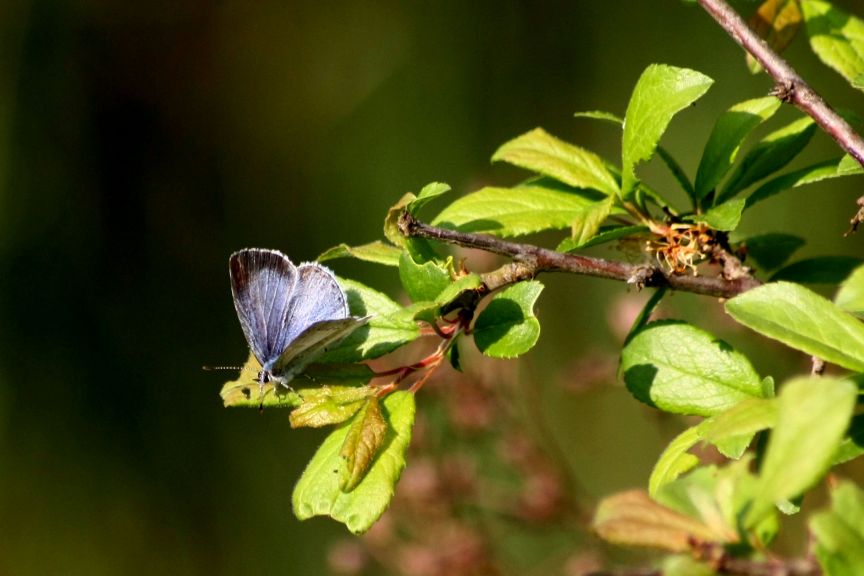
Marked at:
<point>789,86</point>
<point>530,260</point>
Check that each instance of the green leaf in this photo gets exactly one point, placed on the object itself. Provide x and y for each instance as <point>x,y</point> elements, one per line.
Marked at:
<point>770,154</point>
<point>422,281</point>
<point>853,445</point>
<point>813,414</point>
<point>724,217</point>
<point>586,224</point>
<point>802,320</point>
<point>605,234</point>
<point>716,496</point>
<point>459,294</point>
<point>420,248</point>
<point>675,460</point>
<point>850,297</point>
<point>541,152</point>
<point>771,250</point>
<point>514,211</point>
<point>819,270</point>
<point>682,369</point>
<point>329,405</point>
<point>365,437</point>
<point>836,168</point>
<point>245,391</point>
<point>730,131</point>
<point>644,315</point>
<point>732,431</point>
<point>836,37</point>
<point>390,327</point>
<point>839,533</point>
<point>601,115</point>
<point>377,252</point>
<point>661,92</point>
<point>507,327</point>
<point>426,195</point>
<point>318,492</point>
<point>677,171</point>
<point>453,290</point>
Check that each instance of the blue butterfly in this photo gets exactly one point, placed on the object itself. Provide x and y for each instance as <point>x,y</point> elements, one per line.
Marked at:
<point>289,314</point>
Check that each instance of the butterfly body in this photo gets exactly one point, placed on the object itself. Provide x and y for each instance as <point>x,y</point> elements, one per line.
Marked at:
<point>289,314</point>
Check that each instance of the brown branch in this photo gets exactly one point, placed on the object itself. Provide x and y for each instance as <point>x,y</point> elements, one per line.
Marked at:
<point>789,86</point>
<point>530,260</point>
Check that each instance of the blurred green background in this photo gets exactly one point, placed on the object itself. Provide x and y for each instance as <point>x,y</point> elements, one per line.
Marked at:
<point>142,143</point>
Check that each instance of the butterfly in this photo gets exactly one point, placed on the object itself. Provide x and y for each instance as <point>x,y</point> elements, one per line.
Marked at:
<point>289,314</point>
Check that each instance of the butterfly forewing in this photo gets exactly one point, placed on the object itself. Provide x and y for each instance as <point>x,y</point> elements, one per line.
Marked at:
<point>262,282</point>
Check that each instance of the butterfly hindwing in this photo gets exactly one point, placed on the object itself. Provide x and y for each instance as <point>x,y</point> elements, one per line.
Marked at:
<point>311,343</point>
<point>316,297</point>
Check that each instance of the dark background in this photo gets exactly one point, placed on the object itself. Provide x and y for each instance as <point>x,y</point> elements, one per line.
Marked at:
<point>142,143</point>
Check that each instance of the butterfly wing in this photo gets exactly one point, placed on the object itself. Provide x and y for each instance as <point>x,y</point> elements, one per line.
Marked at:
<point>311,343</point>
<point>317,296</point>
<point>263,282</point>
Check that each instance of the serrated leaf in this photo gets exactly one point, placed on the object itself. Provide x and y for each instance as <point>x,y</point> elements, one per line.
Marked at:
<point>586,224</point>
<point>541,152</point>
<point>802,320</point>
<point>390,327</point>
<point>675,460</point>
<point>422,282</point>
<point>632,518</point>
<point>850,297</point>
<point>365,437</point>
<point>318,491</point>
<point>836,37</point>
<point>771,250</point>
<point>516,211</point>
<point>682,369</point>
<point>661,92</point>
<point>839,532</point>
<point>605,234</point>
<point>329,405</point>
<point>826,170</point>
<point>777,22</point>
<point>733,430</point>
<point>813,414</point>
<point>426,195</point>
<point>730,131</point>
<point>769,155</point>
<point>377,252</point>
<point>724,217</point>
<point>818,270</point>
<point>507,327</point>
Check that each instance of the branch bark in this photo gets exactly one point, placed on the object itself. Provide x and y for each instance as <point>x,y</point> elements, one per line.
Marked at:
<point>789,86</point>
<point>530,260</point>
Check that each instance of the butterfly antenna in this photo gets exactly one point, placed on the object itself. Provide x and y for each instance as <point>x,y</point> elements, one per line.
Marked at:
<point>222,367</point>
